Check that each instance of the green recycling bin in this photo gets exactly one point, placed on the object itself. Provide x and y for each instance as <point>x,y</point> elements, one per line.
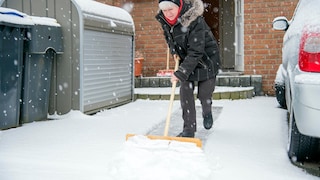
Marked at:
<point>42,48</point>
<point>13,31</point>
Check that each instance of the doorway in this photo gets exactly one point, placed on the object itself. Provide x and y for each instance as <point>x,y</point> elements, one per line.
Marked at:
<point>224,17</point>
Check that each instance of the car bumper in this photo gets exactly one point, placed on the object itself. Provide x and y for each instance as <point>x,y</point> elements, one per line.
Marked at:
<point>306,104</point>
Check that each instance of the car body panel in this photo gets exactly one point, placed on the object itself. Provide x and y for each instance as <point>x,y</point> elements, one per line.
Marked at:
<point>301,88</point>
<point>306,106</point>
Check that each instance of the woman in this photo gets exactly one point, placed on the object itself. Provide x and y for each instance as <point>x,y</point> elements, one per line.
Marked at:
<point>189,37</point>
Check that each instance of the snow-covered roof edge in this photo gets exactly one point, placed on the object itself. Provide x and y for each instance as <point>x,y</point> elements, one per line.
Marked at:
<point>100,9</point>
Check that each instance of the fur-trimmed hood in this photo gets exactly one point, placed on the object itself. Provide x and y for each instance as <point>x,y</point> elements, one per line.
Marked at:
<point>190,11</point>
<point>194,9</point>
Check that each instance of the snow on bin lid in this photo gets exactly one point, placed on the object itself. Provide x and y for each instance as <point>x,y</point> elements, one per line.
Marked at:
<point>13,16</point>
<point>45,21</point>
<point>100,9</point>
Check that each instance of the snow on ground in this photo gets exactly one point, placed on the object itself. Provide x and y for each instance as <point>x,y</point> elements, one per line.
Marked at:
<point>248,142</point>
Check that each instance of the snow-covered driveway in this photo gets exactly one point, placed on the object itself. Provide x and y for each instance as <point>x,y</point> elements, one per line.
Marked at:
<point>248,142</point>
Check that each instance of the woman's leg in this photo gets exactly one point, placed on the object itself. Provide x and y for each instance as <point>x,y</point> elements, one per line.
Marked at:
<point>188,106</point>
<point>205,90</point>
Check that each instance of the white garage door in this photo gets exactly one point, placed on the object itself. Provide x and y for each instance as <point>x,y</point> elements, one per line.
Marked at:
<point>107,69</point>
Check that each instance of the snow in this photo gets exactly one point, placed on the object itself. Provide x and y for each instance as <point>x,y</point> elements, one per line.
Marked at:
<point>12,16</point>
<point>280,75</point>
<point>45,21</point>
<point>15,17</point>
<point>248,141</point>
<point>101,9</point>
<point>304,7</point>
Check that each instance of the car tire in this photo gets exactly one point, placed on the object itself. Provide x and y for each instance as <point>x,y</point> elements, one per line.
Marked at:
<point>301,148</point>
<point>280,95</point>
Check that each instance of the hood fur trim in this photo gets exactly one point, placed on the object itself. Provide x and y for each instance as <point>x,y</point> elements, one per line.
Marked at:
<point>196,10</point>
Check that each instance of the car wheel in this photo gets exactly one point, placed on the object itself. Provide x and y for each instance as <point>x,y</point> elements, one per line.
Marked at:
<point>300,147</point>
<point>280,95</point>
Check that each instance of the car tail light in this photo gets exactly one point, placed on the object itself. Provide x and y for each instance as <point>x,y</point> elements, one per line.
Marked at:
<point>309,53</point>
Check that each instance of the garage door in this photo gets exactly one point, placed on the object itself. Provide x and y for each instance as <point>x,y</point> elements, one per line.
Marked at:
<point>107,69</point>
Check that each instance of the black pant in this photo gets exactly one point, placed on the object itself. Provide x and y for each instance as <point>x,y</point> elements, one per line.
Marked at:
<point>205,90</point>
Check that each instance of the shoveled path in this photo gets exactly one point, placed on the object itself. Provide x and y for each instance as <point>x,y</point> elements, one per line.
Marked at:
<point>176,124</point>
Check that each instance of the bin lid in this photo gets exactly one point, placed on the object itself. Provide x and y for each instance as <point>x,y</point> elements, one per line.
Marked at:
<point>45,21</point>
<point>14,17</point>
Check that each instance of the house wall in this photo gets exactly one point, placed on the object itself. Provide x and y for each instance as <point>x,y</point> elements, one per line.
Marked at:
<point>111,2</point>
<point>262,45</point>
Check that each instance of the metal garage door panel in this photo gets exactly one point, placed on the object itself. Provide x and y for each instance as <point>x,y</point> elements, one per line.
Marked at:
<point>107,69</point>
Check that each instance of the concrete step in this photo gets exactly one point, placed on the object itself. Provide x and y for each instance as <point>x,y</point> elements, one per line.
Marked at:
<point>163,93</point>
<point>228,86</point>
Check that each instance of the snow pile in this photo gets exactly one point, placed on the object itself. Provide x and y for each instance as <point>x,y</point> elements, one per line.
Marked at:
<point>161,159</point>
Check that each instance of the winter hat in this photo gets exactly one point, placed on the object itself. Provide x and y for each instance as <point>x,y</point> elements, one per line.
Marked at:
<point>164,4</point>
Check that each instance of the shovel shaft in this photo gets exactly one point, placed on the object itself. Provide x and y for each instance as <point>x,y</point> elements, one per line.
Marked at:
<point>173,90</point>
<point>168,57</point>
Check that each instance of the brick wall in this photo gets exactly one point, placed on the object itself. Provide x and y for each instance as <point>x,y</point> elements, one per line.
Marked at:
<point>149,37</point>
<point>110,2</point>
<point>262,47</point>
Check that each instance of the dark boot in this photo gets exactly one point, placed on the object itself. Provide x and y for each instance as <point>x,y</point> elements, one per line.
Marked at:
<point>207,121</point>
<point>186,134</point>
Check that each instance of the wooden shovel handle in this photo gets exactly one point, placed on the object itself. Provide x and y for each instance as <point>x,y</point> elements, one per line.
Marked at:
<point>168,57</point>
<point>173,89</point>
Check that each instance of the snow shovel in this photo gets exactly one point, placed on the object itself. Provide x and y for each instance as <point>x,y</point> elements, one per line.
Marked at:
<point>166,72</point>
<point>165,136</point>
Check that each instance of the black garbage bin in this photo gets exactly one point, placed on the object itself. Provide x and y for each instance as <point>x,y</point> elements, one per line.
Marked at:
<point>45,42</point>
<point>13,31</point>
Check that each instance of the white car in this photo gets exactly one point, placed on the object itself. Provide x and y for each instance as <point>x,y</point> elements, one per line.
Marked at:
<point>297,83</point>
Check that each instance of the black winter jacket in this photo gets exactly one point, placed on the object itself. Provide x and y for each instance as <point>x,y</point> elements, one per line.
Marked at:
<point>192,40</point>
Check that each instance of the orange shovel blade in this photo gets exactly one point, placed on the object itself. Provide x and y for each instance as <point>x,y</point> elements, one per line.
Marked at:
<point>171,138</point>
